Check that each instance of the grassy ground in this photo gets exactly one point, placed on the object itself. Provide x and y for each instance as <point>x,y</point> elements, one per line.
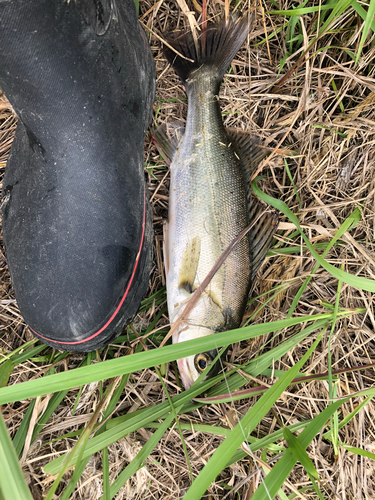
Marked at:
<point>298,376</point>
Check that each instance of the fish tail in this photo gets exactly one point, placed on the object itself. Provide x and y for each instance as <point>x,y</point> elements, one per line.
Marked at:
<point>215,48</point>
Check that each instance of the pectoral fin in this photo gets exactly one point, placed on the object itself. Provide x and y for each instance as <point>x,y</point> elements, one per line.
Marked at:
<point>189,264</point>
<point>214,299</point>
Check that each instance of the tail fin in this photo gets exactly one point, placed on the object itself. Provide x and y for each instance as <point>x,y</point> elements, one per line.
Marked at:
<point>217,46</point>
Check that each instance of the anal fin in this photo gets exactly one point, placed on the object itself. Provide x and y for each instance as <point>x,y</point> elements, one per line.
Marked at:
<point>261,234</point>
<point>249,149</point>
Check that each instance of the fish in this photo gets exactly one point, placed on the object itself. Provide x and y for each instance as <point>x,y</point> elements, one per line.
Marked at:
<point>210,202</point>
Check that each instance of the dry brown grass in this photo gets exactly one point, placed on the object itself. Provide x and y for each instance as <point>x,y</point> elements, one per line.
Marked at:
<point>333,174</point>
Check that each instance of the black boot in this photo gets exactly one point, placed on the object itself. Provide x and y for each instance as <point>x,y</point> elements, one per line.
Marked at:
<point>76,216</point>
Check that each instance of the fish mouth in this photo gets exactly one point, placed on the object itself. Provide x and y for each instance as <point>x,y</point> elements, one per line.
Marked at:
<point>183,368</point>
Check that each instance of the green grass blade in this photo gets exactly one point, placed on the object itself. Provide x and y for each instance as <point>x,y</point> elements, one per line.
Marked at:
<point>300,11</point>
<point>53,403</point>
<point>292,182</point>
<point>116,396</point>
<point>338,8</point>
<point>28,353</point>
<point>315,486</point>
<point>25,352</point>
<point>177,421</point>
<point>349,417</point>
<point>348,223</point>
<point>106,492</point>
<point>266,442</point>
<point>361,11</point>
<point>299,453</point>
<point>12,482</point>
<point>334,420</point>
<point>78,448</point>
<point>137,462</point>
<point>366,27</point>
<point>358,451</point>
<point>74,480</point>
<point>247,424</point>
<point>352,280</point>
<point>256,443</point>
<point>257,366</point>
<point>140,361</point>
<point>136,3</point>
<point>5,370</point>
<point>266,471</point>
<point>20,436</point>
<point>337,95</point>
<point>284,466</point>
<point>120,427</point>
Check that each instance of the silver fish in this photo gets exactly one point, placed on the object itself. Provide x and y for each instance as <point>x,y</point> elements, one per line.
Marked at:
<point>209,201</point>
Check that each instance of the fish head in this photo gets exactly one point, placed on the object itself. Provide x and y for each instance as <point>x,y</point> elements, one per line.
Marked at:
<point>192,367</point>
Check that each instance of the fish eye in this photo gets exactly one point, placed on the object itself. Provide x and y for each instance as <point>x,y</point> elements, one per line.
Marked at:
<point>201,361</point>
<point>202,364</point>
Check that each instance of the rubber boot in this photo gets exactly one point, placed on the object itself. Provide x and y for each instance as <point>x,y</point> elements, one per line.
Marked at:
<point>77,221</point>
